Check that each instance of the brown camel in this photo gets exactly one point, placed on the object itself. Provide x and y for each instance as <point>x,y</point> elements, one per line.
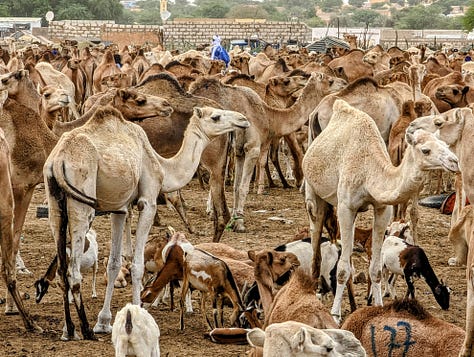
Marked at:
<point>347,166</point>
<point>352,64</point>
<point>106,67</point>
<point>167,134</point>
<point>443,103</point>
<point>76,74</point>
<point>252,145</point>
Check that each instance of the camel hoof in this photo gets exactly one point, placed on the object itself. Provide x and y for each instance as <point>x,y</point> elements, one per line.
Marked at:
<point>452,262</point>
<point>65,337</point>
<point>102,328</point>
<point>23,271</point>
<point>239,226</point>
<point>11,310</point>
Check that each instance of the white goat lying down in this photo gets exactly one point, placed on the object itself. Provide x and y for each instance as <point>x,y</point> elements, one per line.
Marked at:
<point>135,333</point>
<point>295,339</point>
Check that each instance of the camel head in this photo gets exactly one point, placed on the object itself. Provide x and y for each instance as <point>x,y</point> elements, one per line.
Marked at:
<point>53,98</point>
<point>136,106</point>
<point>430,152</point>
<point>10,81</point>
<point>448,125</point>
<point>454,94</point>
<point>327,84</point>
<point>284,86</point>
<point>273,267</point>
<point>214,122</point>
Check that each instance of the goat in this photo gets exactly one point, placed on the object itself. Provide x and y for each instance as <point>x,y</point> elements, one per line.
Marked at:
<point>404,328</point>
<point>211,276</point>
<point>89,260</point>
<point>410,261</point>
<point>135,332</point>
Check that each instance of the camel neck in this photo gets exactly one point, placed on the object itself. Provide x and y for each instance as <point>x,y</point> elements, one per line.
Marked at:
<point>180,169</point>
<point>396,184</point>
<point>286,121</point>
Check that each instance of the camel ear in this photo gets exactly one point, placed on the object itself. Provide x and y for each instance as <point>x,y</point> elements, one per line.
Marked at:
<point>465,90</point>
<point>459,116</point>
<point>269,258</point>
<point>410,138</point>
<point>438,122</point>
<point>298,340</point>
<point>123,94</point>
<point>198,112</point>
<point>256,337</point>
<point>251,255</point>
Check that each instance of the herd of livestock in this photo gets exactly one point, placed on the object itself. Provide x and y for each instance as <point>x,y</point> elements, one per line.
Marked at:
<point>109,129</point>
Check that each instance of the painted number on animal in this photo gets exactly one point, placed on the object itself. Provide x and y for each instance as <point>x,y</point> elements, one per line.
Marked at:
<point>401,342</point>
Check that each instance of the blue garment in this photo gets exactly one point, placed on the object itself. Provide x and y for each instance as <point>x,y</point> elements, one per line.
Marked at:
<point>218,52</point>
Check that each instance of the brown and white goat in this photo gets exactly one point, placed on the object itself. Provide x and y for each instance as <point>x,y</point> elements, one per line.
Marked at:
<point>403,328</point>
<point>212,277</point>
<point>410,261</point>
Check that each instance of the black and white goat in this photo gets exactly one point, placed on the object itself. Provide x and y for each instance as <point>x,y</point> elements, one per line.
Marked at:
<point>410,261</point>
<point>89,261</point>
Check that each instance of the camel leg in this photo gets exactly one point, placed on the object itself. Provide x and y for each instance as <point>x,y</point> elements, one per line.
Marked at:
<point>262,160</point>
<point>8,246</point>
<point>382,216</point>
<point>317,210</point>
<point>297,154</point>
<point>346,218</point>
<point>127,236</point>
<point>22,198</point>
<point>274,156</point>
<point>414,217</point>
<point>467,348</point>
<point>78,229</point>
<point>244,165</point>
<point>216,165</point>
<point>177,202</point>
<point>113,267</point>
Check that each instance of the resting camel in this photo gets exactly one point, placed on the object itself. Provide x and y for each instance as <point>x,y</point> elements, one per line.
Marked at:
<point>415,330</point>
<point>347,166</point>
<point>166,137</point>
<point>73,197</point>
<point>382,103</point>
<point>252,145</point>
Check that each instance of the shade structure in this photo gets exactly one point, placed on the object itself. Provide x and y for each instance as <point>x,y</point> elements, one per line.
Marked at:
<point>322,45</point>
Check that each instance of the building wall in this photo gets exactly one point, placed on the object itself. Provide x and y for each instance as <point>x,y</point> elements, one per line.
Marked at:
<point>180,33</point>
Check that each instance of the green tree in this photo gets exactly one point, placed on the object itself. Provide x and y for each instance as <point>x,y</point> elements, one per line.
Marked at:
<point>247,11</point>
<point>106,9</point>
<point>74,12</point>
<point>330,5</point>
<point>367,18</point>
<point>468,18</point>
<point>357,3</point>
<point>29,8</point>
<point>420,17</point>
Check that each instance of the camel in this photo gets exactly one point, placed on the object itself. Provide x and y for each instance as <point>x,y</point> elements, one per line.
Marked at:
<point>52,76</point>
<point>76,74</point>
<point>20,88</point>
<point>351,40</point>
<point>258,64</point>
<point>252,145</point>
<point>384,105</point>
<point>106,67</point>
<point>241,62</point>
<point>277,68</point>
<point>347,166</point>
<point>88,65</point>
<point>73,197</point>
<point>379,61</point>
<point>415,330</point>
<point>166,137</point>
<point>353,65</point>
<point>7,240</point>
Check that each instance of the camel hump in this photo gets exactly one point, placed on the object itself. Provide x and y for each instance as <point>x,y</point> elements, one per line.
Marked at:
<point>341,106</point>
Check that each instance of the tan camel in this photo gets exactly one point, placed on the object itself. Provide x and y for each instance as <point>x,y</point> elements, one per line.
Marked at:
<point>167,134</point>
<point>258,64</point>
<point>379,61</point>
<point>275,69</point>
<point>7,241</point>
<point>106,67</point>
<point>21,88</point>
<point>52,76</point>
<point>73,197</point>
<point>77,75</point>
<point>347,166</point>
<point>352,64</point>
<point>252,145</point>
<point>382,103</point>
<point>241,62</point>
<point>89,65</point>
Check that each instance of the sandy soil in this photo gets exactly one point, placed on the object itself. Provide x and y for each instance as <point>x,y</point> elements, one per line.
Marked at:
<point>38,249</point>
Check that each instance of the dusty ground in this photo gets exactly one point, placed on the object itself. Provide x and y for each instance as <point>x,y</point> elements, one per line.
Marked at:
<point>38,249</point>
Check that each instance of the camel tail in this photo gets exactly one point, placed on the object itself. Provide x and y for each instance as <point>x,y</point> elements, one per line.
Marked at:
<point>59,174</point>
<point>128,323</point>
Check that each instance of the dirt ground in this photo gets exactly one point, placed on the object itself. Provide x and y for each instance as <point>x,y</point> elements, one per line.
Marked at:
<point>262,231</point>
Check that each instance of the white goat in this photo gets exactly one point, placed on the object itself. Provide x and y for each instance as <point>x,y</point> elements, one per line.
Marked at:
<point>135,332</point>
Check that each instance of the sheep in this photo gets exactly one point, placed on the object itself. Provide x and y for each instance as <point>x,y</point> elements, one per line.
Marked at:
<point>89,260</point>
<point>211,276</point>
<point>135,332</point>
<point>404,328</point>
<point>295,339</point>
<point>124,276</point>
<point>410,261</point>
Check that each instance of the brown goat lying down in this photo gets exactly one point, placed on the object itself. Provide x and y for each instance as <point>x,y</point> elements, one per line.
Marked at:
<point>404,328</point>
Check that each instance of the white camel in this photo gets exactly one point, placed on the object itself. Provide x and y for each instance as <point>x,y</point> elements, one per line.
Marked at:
<point>348,166</point>
<point>107,164</point>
